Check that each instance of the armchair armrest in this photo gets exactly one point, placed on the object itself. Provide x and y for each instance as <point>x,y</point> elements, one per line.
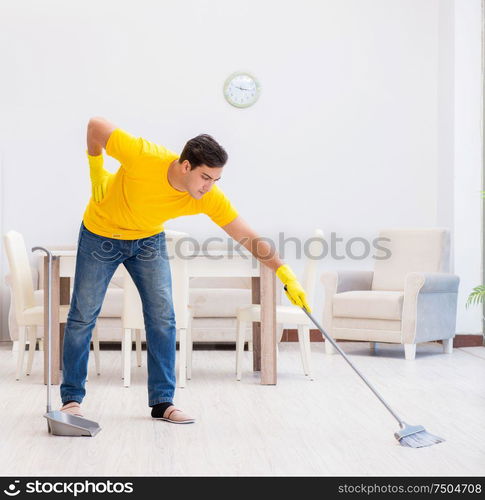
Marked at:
<point>346,281</point>
<point>429,306</point>
<point>432,282</point>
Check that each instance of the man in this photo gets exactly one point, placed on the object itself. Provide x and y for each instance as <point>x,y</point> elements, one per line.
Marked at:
<point>123,224</point>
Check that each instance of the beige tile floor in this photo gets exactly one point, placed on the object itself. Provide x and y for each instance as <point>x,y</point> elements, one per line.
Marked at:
<point>332,426</point>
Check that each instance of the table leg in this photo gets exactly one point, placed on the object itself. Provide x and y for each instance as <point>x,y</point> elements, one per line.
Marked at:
<point>65,299</point>
<point>55,300</point>
<point>256,299</point>
<point>268,326</point>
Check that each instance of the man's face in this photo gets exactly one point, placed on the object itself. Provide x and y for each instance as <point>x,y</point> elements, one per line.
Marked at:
<point>200,180</point>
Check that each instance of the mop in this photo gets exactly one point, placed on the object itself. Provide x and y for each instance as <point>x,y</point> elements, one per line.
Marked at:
<point>414,436</point>
<point>60,423</point>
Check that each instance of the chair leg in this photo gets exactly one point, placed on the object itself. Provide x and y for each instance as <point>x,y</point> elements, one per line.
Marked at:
<point>41,345</point>
<point>409,351</point>
<point>280,330</point>
<point>329,349</point>
<point>190,346</point>
<point>138,346</point>
<point>302,350</point>
<point>127,357</point>
<point>21,348</point>
<point>240,339</point>
<point>182,357</point>
<point>97,361</point>
<point>308,350</point>
<point>32,345</point>
<point>304,340</point>
<point>122,355</point>
<point>301,343</point>
<point>448,346</point>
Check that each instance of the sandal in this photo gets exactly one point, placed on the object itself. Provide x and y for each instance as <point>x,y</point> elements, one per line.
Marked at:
<point>72,408</point>
<point>176,416</point>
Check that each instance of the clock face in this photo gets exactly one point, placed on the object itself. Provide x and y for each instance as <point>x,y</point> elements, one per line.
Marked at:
<point>241,90</point>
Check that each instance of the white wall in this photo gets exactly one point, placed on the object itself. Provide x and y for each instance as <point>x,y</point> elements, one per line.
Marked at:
<point>346,136</point>
<point>468,167</point>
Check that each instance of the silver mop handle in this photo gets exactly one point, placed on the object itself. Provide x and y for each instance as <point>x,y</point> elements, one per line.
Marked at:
<point>49,323</point>
<point>330,339</point>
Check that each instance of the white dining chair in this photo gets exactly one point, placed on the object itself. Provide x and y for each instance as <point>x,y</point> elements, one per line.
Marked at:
<point>132,315</point>
<point>223,273</point>
<point>286,314</point>
<point>27,304</point>
<point>133,324</point>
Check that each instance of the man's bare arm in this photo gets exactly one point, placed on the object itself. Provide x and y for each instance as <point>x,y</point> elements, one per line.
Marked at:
<point>99,131</point>
<point>240,231</point>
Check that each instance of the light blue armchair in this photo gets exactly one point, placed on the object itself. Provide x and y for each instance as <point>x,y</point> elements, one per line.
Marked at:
<point>409,297</point>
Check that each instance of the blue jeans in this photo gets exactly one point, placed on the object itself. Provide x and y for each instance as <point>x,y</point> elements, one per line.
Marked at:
<point>146,261</point>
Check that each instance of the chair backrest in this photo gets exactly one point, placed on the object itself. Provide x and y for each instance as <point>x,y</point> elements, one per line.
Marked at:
<point>21,274</point>
<point>132,316</point>
<point>313,250</point>
<point>410,250</point>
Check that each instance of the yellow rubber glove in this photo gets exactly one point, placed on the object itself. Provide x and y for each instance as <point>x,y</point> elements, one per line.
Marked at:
<point>99,177</point>
<point>294,291</point>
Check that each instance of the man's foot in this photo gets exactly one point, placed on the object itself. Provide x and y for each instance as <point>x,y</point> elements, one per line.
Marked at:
<point>175,416</point>
<point>73,408</point>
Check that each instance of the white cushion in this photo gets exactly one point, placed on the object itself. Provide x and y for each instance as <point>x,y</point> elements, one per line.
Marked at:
<point>216,330</point>
<point>387,325</point>
<point>206,302</point>
<point>220,282</point>
<point>368,304</point>
<point>113,303</point>
<point>218,302</point>
<point>203,330</point>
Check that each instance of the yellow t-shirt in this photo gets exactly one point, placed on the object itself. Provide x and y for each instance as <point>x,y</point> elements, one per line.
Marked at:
<point>139,198</point>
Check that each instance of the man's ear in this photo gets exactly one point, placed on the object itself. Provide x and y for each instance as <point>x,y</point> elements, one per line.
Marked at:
<point>185,166</point>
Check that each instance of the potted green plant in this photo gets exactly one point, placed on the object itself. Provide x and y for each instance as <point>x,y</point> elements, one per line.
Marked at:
<point>477,296</point>
<point>478,293</point>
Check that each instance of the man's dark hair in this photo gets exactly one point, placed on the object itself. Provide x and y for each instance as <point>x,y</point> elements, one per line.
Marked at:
<point>204,150</point>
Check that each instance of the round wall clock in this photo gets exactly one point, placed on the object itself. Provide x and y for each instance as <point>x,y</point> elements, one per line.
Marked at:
<point>241,89</point>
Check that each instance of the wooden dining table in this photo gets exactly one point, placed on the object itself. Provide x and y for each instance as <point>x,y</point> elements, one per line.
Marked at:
<point>204,264</point>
